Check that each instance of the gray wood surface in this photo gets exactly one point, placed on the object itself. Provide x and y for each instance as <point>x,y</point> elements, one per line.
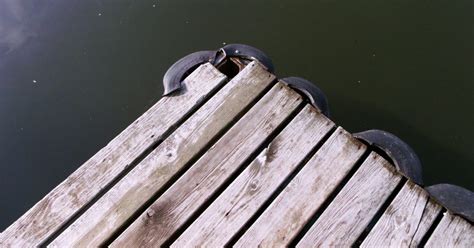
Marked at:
<point>287,214</point>
<point>354,207</point>
<point>111,211</point>
<point>228,213</point>
<point>404,223</point>
<point>80,187</point>
<point>406,220</point>
<point>452,231</point>
<point>186,195</point>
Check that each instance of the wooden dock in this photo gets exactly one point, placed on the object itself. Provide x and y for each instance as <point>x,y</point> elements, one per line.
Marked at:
<point>241,160</point>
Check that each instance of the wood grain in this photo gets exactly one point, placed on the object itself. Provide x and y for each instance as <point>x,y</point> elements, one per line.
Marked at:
<point>405,221</point>
<point>186,195</point>
<point>99,222</point>
<point>452,231</point>
<point>228,213</point>
<point>353,208</point>
<point>288,213</point>
<point>87,181</point>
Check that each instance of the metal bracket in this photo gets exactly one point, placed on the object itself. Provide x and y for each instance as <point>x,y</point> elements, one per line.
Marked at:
<point>315,95</point>
<point>175,75</point>
<point>402,155</point>
<point>456,199</point>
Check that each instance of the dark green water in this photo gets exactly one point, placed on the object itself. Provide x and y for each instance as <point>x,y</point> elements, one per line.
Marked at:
<point>73,74</point>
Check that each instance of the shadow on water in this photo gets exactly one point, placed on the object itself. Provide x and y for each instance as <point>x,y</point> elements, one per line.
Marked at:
<point>18,23</point>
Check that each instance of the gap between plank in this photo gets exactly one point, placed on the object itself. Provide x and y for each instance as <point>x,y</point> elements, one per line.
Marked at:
<point>329,199</point>
<point>279,189</point>
<point>432,228</point>
<point>234,175</point>
<point>132,165</point>
<point>188,165</point>
<point>380,212</point>
<point>425,208</point>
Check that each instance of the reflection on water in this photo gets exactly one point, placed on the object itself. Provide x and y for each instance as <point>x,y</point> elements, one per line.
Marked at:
<point>15,26</point>
<point>74,73</point>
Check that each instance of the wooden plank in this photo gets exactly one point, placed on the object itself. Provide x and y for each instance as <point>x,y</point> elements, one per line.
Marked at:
<point>431,211</point>
<point>80,187</point>
<point>452,231</point>
<point>354,207</point>
<point>405,221</point>
<point>170,211</point>
<point>228,213</point>
<point>99,222</point>
<point>287,214</point>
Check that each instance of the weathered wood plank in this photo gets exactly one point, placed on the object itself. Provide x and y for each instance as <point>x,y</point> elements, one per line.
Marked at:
<point>353,208</point>
<point>405,221</point>
<point>431,211</point>
<point>452,231</point>
<point>287,214</point>
<point>111,211</point>
<point>185,196</point>
<point>79,188</point>
<point>228,213</point>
